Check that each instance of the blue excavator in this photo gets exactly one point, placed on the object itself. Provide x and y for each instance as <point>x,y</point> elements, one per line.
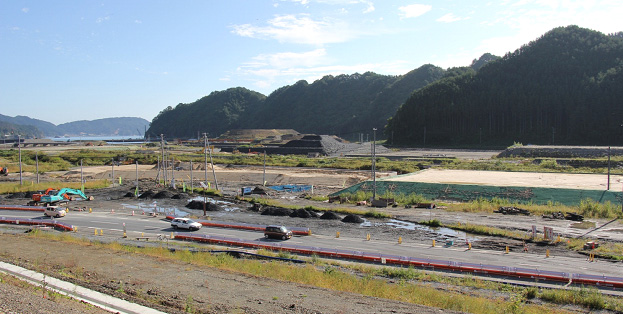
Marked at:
<point>63,196</point>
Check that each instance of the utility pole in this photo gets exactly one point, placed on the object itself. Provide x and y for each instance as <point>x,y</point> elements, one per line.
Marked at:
<point>112,168</point>
<point>19,148</point>
<point>164,171</point>
<point>191,177</point>
<point>81,177</point>
<point>211,163</point>
<point>374,164</point>
<point>205,170</point>
<point>37,164</point>
<point>264,174</point>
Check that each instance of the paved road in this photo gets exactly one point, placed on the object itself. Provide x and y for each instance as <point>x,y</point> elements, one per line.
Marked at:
<point>112,226</point>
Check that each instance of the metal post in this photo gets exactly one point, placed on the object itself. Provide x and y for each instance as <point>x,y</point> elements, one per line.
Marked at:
<point>112,166</point>
<point>19,148</point>
<point>374,164</point>
<point>212,164</point>
<point>191,176</point>
<point>37,165</point>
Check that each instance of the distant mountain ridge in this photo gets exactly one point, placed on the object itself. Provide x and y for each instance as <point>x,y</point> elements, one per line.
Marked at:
<point>122,126</point>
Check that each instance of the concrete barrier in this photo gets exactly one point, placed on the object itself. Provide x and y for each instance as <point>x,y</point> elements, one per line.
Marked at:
<point>37,222</point>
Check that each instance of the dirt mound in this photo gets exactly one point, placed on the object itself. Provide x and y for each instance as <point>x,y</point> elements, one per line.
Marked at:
<point>303,213</point>
<point>199,205</point>
<point>276,211</point>
<point>330,216</point>
<point>129,194</point>
<point>147,194</point>
<point>352,218</point>
<point>163,194</point>
<point>178,196</point>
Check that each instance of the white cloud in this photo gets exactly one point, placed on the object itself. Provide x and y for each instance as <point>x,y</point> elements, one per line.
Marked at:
<point>138,22</point>
<point>25,10</point>
<point>414,10</point>
<point>284,60</point>
<point>299,29</point>
<point>449,18</point>
<point>102,19</point>
<point>271,71</point>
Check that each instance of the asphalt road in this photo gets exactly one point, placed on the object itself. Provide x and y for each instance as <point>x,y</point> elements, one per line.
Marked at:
<point>112,225</point>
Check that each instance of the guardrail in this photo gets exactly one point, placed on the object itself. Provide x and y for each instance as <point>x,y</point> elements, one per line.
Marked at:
<point>583,279</point>
<point>37,222</point>
<point>243,226</point>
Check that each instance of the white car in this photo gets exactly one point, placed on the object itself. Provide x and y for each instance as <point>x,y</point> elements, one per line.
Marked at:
<point>185,223</point>
<point>54,211</point>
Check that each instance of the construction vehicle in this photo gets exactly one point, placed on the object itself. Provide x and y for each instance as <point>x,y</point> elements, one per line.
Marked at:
<point>4,171</point>
<point>63,196</point>
<point>36,197</point>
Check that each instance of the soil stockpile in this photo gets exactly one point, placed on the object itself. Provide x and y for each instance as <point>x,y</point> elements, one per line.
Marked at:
<point>303,213</point>
<point>163,194</point>
<point>199,205</point>
<point>146,194</point>
<point>276,211</point>
<point>352,219</point>
<point>330,216</point>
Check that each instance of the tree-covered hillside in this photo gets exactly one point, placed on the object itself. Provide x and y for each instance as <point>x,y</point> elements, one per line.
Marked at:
<point>563,88</point>
<point>342,105</point>
<point>11,131</point>
<point>214,114</point>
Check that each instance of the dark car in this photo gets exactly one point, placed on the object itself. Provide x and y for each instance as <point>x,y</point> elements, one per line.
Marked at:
<point>277,232</point>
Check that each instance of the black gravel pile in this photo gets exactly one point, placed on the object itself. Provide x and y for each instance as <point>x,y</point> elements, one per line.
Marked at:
<point>352,218</point>
<point>147,194</point>
<point>29,194</point>
<point>163,194</point>
<point>199,205</point>
<point>330,216</point>
<point>276,211</point>
<point>17,195</point>
<point>178,196</point>
<point>303,213</point>
<point>129,194</point>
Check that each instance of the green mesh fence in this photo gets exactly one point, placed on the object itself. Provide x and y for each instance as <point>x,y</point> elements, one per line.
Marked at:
<point>468,192</point>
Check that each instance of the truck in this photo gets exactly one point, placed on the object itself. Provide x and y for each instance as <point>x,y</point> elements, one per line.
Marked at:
<point>63,196</point>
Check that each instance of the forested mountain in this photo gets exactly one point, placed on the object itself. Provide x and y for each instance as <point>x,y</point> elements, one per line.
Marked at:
<point>342,105</point>
<point>47,128</point>
<point>12,130</point>
<point>566,87</point>
<point>101,127</point>
<point>214,114</point>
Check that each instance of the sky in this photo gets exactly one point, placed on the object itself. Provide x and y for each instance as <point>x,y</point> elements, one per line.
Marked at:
<point>67,60</point>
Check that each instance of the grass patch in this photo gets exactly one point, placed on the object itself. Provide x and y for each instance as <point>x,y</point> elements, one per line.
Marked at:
<point>6,188</point>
